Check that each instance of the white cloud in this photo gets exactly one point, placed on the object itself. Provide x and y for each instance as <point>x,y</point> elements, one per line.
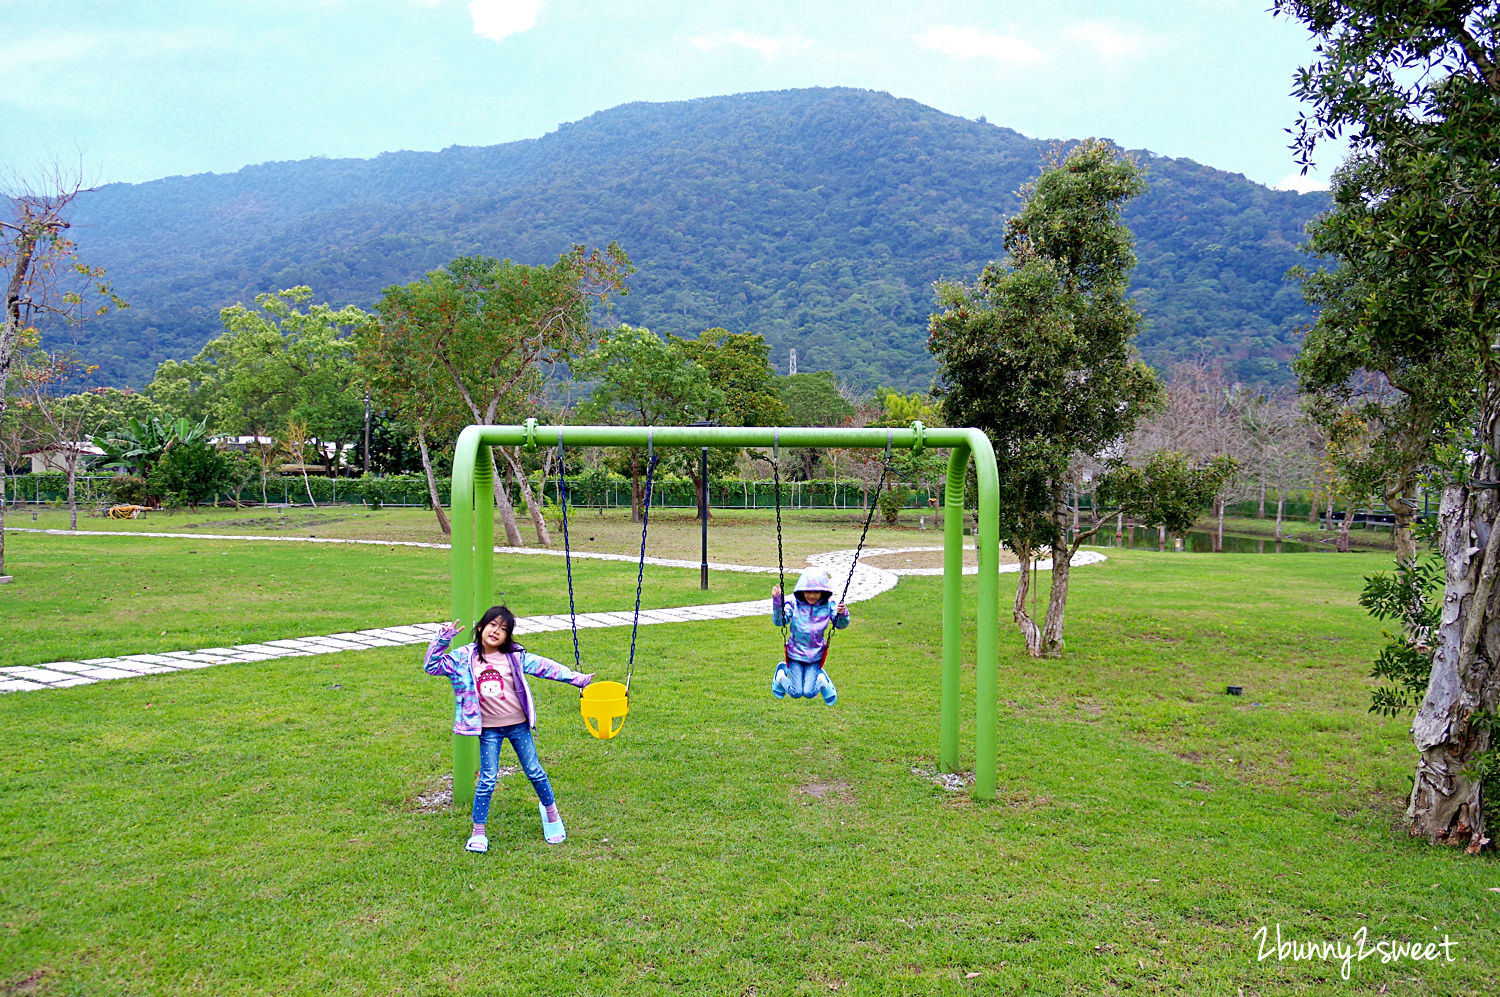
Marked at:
<point>496,19</point>
<point>1300,183</point>
<point>767,46</point>
<point>1104,40</point>
<point>26,54</point>
<point>971,43</point>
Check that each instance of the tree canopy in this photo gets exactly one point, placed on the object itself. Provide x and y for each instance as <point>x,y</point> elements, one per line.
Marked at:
<point>1037,352</point>
<point>1415,87</point>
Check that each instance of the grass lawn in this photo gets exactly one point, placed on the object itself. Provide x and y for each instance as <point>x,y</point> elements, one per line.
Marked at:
<point>247,829</point>
<point>736,536</point>
<point>80,597</point>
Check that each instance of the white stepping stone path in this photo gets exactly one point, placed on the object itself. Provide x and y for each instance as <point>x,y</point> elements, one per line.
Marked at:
<point>866,582</point>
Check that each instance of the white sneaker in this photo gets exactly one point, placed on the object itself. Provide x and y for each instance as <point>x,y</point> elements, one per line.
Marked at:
<point>477,843</point>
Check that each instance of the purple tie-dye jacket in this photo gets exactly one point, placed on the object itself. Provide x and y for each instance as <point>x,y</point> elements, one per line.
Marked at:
<point>457,667</point>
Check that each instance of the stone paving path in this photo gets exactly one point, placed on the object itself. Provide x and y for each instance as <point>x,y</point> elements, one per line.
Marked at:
<point>867,581</point>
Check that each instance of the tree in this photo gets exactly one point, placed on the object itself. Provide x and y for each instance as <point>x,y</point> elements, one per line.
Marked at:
<point>739,367</point>
<point>136,446</point>
<point>43,280</point>
<point>813,399</point>
<point>191,473</point>
<point>497,328</point>
<point>925,469</point>
<point>62,419</point>
<point>1203,417</point>
<point>1278,454</point>
<point>644,380</point>
<point>1415,87</point>
<point>1037,353</point>
<point>274,363</point>
<point>1355,360</point>
<point>295,442</point>
<point>408,380</point>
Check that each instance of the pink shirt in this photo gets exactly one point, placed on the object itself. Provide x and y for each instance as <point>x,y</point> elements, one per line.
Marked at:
<point>499,703</point>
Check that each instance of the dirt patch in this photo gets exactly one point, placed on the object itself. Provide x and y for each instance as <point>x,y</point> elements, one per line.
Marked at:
<point>836,792</point>
<point>953,782</point>
<point>927,559</point>
<point>438,798</point>
<point>24,986</point>
<point>292,522</point>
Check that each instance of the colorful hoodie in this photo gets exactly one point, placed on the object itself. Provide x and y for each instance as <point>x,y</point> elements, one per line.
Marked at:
<point>808,623</point>
<point>458,667</point>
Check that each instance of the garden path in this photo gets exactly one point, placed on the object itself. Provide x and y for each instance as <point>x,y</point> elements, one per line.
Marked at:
<point>866,582</point>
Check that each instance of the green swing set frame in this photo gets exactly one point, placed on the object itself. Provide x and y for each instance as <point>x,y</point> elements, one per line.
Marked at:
<point>473,502</point>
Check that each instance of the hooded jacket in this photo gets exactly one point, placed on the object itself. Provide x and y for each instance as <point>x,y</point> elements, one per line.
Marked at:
<point>458,667</point>
<point>808,623</point>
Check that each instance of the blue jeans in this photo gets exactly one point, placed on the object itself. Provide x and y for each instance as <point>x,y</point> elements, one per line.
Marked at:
<point>519,736</point>
<point>803,678</point>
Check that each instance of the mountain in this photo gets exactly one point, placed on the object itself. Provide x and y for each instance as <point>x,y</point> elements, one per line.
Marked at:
<point>819,218</point>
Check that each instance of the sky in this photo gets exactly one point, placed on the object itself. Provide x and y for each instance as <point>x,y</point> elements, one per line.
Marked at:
<point>135,90</point>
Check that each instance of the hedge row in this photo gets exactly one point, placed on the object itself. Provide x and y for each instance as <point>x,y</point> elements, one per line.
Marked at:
<point>608,490</point>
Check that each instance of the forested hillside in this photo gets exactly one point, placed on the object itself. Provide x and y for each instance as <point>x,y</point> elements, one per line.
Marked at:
<point>818,218</point>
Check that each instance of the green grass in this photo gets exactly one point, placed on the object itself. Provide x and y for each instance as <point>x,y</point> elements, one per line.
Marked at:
<point>78,597</point>
<point>247,829</point>
<point>736,536</point>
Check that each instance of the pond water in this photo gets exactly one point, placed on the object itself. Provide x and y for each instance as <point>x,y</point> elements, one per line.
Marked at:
<point>1200,542</point>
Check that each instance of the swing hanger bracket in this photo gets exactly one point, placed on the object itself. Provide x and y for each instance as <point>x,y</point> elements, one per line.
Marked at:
<point>920,431</point>
<point>530,427</point>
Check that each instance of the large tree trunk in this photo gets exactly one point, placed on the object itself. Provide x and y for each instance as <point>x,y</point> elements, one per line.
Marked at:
<point>1047,642</point>
<point>503,503</point>
<point>1051,645</point>
<point>1446,804</point>
<point>1029,630</point>
<point>533,507</point>
<point>637,488</point>
<point>1343,542</point>
<point>432,489</point>
<point>1401,498</point>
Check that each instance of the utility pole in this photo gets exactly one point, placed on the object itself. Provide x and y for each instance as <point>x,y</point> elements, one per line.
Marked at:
<point>792,365</point>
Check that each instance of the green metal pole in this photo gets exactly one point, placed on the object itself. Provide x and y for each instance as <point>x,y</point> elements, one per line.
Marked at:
<point>465,495</point>
<point>987,637</point>
<point>484,534</point>
<point>953,584</point>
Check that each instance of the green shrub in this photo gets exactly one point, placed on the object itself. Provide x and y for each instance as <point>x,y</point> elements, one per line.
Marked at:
<point>892,501</point>
<point>127,489</point>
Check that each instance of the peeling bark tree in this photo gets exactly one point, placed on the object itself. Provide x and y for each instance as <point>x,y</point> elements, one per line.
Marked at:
<point>1414,88</point>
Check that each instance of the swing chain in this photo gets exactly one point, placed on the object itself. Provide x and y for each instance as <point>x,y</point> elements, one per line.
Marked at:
<point>562,498</point>
<point>885,468</point>
<point>640,574</point>
<point>775,461</point>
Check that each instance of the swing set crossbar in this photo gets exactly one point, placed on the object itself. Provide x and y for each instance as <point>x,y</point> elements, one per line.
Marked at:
<point>473,554</point>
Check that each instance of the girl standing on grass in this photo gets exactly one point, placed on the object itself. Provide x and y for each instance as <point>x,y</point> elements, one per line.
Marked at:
<point>494,702</point>
<point>809,618</point>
